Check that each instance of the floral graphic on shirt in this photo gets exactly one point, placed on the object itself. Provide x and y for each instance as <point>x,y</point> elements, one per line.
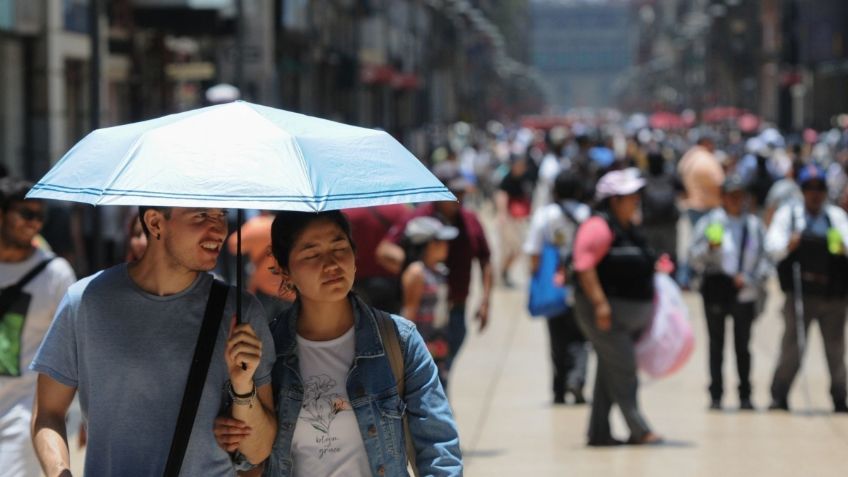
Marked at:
<point>320,408</point>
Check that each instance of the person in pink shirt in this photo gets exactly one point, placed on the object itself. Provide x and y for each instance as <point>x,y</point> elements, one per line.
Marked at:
<point>614,302</point>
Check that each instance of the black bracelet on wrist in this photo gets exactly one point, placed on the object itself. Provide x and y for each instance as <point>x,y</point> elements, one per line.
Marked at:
<point>245,395</point>
<point>241,399</point>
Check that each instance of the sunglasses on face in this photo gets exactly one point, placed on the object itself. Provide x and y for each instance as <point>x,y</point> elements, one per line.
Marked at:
<point>29,214</point>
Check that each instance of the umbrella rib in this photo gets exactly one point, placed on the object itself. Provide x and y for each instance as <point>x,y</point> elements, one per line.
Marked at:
<point>130,154</point>
<point>294,141</point>
<point>125,162</point>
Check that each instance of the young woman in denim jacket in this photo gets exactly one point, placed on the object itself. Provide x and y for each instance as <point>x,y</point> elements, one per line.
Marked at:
<point>337,402</point>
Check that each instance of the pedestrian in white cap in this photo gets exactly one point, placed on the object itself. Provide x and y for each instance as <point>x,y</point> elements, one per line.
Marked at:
<point>425,286</point>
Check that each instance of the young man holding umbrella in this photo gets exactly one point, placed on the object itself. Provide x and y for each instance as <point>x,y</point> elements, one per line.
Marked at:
<point>808,242</point>
<point>124,338</point>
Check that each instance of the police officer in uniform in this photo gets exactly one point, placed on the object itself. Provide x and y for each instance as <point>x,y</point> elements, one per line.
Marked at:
<point>811,239</point>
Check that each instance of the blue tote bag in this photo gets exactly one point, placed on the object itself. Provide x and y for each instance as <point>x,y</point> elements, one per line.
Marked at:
<point>547,298</point>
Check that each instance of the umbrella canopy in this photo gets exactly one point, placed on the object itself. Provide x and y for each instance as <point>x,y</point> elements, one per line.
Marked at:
<point>244,156</point>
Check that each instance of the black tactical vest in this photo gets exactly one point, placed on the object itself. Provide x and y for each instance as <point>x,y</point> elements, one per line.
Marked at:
<point>627,270</point>
<point>822,273</point>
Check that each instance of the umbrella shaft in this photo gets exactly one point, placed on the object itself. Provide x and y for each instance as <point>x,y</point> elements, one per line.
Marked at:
<point>239,264</point>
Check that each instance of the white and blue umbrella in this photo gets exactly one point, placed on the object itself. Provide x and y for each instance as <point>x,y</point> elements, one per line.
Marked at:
<point>242,156</point>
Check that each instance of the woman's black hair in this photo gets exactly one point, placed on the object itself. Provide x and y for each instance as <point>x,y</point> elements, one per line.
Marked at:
<point>567,185</point>
<point>656,163</point>
<point>288,225</point>
<point>412,253</point>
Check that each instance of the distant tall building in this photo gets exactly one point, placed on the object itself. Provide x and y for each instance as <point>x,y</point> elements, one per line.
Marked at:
<point>581,47</point>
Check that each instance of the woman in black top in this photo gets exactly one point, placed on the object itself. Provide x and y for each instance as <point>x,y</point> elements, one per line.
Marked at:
<point>615,302</point>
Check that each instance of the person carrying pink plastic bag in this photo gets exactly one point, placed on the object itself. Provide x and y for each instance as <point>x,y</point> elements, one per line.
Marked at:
<point>614,302</point>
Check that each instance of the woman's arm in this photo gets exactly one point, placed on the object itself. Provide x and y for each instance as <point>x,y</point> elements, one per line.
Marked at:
<point>413,287</point>
<point>431,421</point>
<point>253,405</point>
<point>262,420</point>
<point>591,286</point>
<point>591,244</point>
<point>501,203</point>
<point>390,256</point>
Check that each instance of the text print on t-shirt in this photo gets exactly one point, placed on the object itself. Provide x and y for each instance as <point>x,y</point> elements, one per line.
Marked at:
<point>321,406</point>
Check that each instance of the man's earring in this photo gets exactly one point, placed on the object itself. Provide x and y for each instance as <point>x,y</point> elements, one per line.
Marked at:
<point>287,287</point>
<point>158,236</point>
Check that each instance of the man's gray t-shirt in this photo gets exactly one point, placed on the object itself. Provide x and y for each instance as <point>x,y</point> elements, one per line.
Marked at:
<point>128,353</point>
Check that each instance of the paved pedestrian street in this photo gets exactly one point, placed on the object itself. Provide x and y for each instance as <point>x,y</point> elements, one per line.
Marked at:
<point>509,427</point>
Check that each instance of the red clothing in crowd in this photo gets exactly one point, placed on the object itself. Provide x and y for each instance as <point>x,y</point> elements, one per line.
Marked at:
<point>470,244</point>
<point>368,226</point>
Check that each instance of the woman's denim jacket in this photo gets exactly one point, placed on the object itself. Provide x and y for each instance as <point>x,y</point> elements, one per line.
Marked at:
<point>373,394</point>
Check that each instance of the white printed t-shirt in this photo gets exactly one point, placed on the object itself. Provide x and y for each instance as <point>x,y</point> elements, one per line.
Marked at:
<point>43,295</point>
<point>326,438</point>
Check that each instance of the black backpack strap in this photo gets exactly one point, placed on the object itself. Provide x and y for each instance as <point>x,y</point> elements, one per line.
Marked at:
<point>197,376</point>
<point>11,293</point>
<point>742,247</point>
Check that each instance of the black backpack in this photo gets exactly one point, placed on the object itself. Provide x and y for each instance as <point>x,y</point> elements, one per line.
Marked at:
<point>659,201</point>
<point>762,181</point>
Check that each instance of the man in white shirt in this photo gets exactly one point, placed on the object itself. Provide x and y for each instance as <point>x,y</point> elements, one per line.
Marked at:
<point>811,239</point>
<point>26,310</point>
<point>557,224</point>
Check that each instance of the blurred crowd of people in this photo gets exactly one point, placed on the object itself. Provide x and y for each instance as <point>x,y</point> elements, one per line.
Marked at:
<point>609,197</point>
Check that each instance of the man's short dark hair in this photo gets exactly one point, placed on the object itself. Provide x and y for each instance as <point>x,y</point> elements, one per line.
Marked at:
<point>13,190</point>
<point>567,185</point>
<point>166,211</point>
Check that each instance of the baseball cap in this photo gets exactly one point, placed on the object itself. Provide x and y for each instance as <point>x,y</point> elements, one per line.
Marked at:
<point>603,156</point>
<point>423,229</point>
<point>621,182</point>
<point>733,184</point>
<point>811,172</point>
